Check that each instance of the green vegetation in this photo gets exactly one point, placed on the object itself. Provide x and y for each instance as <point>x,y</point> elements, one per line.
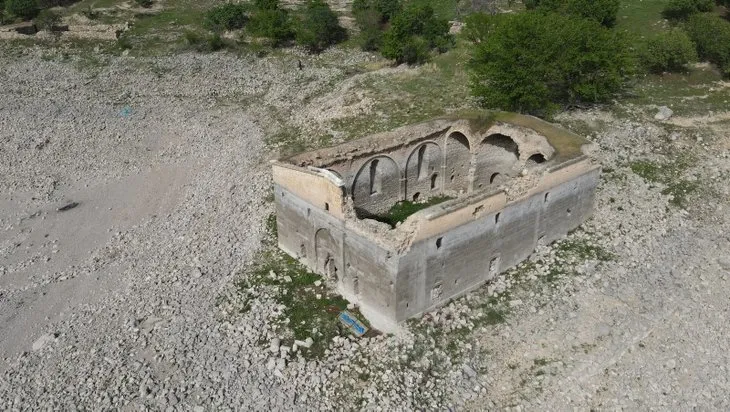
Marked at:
<point>24,9</point>
<point>406,33</point>
<point>371,17</point>
<point>400,211</point>
<point>204,42</point>
<point>682,9</point>
<point>310,309</point>
<point>581,249</point>
<point>318,27</point>
<point>413,33</point>
<point>711,33</point>
<point>670,174</point>
<point>270,21</point>
<point>431,90</point>
<point>601,11</point>
<point>47,20</point>
<point>538,63</point>
<point>227,16</point>
<point>669,51</point>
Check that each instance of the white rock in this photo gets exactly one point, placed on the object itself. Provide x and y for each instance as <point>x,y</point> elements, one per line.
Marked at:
<point>42,341</point>
<point>663,113</point>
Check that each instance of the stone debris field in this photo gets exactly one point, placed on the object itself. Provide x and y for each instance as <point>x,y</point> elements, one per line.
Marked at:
<point>135,199</point>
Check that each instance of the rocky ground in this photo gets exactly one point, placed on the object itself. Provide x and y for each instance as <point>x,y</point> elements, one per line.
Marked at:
<point>134,194</point>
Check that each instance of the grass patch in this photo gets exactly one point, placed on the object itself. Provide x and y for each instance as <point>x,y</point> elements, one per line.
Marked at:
<point>696,92</point>
<point>583,250</point>
<point>400,211</point>
<point>290,141</point>
<point>670,174</point>
<point>642,18</point>
<point>411,96</point>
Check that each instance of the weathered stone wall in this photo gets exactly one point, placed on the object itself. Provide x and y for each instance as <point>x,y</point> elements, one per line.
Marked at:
<point>360,268</point>
<point>459,259</point>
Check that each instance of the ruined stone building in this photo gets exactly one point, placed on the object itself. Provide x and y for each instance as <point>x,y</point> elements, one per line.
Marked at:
<point>511,182</point>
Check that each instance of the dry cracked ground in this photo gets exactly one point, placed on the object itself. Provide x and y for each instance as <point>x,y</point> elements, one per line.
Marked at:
<point>134,194</point>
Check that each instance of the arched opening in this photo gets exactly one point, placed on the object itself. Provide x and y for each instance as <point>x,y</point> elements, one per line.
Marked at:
<point>376,186</point>
<point>422,165</point>
<point>535,159</point>
<point>424,160</point>
<point>375,179</point>
<point>503,142</point>
<point>458,161</point>
<point>434,181</point>
<point>330,267</point>
<point>326,252</point>
<point>496,157</point>
<point>416,196</point>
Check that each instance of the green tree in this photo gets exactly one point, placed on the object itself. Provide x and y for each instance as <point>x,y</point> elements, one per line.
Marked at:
<point>384,9</point>
<point>318,27</point>
<point>266,4</point>
<point>270,21</point>
<point>371,17</point>
<point>413,32</point>
<point>227,16</point>
<point>682,9</point>
<point>538,62</point>
<point>711,34</point>
<point>602,11</point>
<point>669,51</point>
<point>24,9</point>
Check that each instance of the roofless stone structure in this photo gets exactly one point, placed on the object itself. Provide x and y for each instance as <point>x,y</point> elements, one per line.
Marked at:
<point>490,188</point>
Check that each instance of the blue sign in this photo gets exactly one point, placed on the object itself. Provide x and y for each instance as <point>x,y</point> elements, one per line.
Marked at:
<point>349,320</point>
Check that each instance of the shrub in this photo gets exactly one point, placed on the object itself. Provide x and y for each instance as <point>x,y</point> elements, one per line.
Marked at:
<point>319,27</point>
<point>371,32</point>
<point>669,52</point>
<point>537,62</point>
<point>200,42</point>
<point>24,9</point>
<point>372,16</point>
<point>47,4</point>
<point>602,11</point>
<point>266,4</point>
<point>215,42</point>
<point>144,3</point>
<point>384,9</point>
<point>226,17</point>
<point>272,24</point>
<point>477,26</point>
<point>411,31</point>
<point>47,20</point>
<point>682,9</point>
<point>711,34</point>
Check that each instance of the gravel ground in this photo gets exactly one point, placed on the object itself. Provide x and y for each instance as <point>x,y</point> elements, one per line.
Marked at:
<point>115,303</point>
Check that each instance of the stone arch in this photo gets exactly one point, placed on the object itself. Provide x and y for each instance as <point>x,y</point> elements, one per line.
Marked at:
<point>376,186</point>
<point>497,154</point>
<point>495,142</point>
<point>457,162</point>
<point>422,165</point>
<point>327,255</point>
